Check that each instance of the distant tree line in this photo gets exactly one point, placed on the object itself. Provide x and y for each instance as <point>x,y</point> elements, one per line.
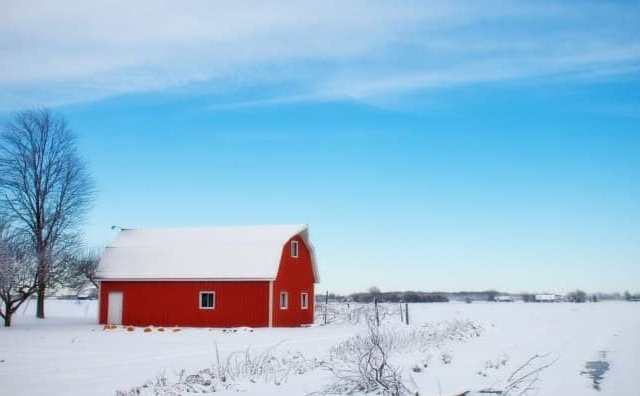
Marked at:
<point>399,296</point>
<point>390,297</point>
<point>577,296</point>
<point>631,297</point>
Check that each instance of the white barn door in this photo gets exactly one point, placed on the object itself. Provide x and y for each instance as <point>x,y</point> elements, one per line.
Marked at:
<point>114,312</point>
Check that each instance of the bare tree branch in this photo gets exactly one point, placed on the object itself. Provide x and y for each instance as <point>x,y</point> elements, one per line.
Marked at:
<point>82,268</point>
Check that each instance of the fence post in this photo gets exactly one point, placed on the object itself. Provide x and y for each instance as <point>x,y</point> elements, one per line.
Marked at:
<point>375,305</point>
<point>406,314</point>
<point>401,313</point>
<point>326,306</point>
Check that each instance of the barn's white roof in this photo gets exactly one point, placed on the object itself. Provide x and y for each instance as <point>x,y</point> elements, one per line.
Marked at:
<point>221,253</point>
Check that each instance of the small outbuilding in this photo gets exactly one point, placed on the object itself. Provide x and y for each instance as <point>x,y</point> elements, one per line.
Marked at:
<point>256,276</point>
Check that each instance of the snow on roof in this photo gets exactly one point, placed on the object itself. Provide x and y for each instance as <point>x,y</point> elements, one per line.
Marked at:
<point>225,253</point>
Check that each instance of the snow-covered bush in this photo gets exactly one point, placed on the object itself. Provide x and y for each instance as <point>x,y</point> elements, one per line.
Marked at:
<point>446,358</point>
<point>398,338</point>
<point>229,374</point>
<point>364,363</point>
<point>523,381</point>
<point>495,364</point>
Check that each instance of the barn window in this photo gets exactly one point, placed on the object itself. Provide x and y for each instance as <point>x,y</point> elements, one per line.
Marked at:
<point>284,300</point>
<point>294,248</point>
<point>207,300</point>
<point>304,300</point>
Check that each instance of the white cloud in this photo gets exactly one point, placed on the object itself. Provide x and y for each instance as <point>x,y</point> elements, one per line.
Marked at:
<point>54,53</point>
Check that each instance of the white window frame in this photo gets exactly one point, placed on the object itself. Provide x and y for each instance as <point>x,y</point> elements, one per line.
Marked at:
<point>295,246</point>
<point>286,300</point>
<point>304,300</point>
<point>200,299</point>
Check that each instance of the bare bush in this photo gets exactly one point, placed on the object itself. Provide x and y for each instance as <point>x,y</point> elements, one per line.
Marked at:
<point>522,382</point>
<point>362,365</point>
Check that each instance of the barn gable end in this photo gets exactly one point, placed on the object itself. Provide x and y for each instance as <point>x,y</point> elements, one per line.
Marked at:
<point>296,276</point>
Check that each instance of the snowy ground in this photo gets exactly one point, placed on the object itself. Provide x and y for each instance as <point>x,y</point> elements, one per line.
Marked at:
<point>68,354</point>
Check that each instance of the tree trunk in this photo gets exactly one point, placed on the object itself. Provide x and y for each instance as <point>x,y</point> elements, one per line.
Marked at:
<point>41,280</point>
<point>40,302</point>
<point>7,314</point>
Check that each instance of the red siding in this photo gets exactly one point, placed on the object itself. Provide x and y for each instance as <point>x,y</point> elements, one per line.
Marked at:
<point>295,276</point>
<point>176,303</point>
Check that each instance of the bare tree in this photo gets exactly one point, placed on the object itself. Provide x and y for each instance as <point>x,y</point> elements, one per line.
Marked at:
<point>577,296</point>
<point>18,279</point>
<point>44,187</point>
<point>82,268</point>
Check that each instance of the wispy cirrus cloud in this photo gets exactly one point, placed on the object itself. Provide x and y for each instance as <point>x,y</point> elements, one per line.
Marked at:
<point>52,53</point>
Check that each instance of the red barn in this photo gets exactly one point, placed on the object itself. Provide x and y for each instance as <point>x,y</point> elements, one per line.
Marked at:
<point>213,277</point>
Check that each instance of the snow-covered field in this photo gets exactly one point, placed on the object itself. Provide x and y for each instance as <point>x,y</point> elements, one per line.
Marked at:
<point>68,354</point>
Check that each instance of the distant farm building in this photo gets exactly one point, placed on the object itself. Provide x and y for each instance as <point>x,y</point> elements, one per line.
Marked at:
<point>504,299</point>
<point>548,298</point>
<point>260,276</point>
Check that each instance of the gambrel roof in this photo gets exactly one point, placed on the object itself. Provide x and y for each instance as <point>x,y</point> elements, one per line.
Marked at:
<point>212,253</point>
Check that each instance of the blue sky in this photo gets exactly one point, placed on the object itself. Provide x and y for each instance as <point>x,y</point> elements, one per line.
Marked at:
<point>470,145</point>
